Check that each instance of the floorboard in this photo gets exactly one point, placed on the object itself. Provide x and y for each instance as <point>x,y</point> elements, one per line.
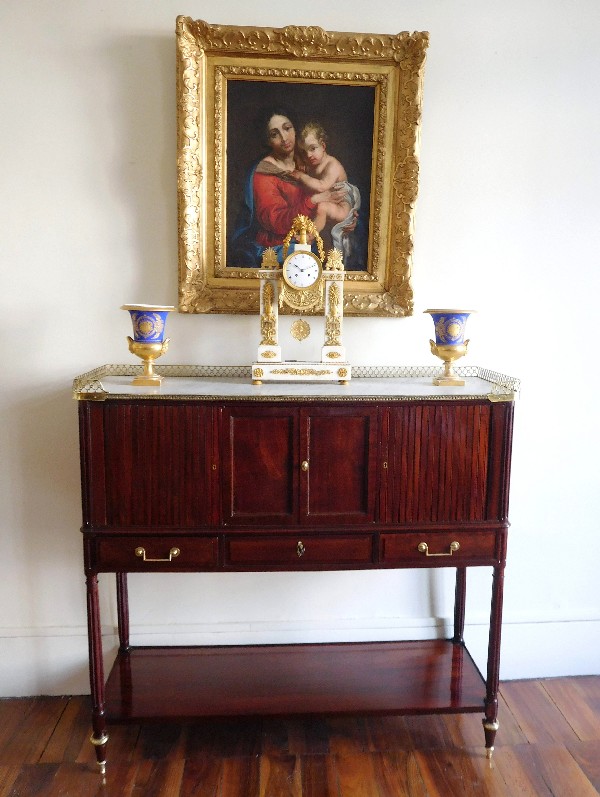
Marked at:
<point>548,744</point>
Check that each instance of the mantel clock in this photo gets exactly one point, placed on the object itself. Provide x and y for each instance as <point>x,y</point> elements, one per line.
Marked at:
<point>304,281</point>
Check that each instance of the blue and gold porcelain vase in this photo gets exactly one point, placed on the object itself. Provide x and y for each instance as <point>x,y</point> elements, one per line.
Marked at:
<point>450,344</point>
<point>148,341</point>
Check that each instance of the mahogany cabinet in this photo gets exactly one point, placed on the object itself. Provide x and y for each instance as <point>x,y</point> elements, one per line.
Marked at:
<point>215,474</point>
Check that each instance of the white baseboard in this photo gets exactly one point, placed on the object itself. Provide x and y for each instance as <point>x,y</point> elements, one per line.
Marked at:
<point>53,661</point>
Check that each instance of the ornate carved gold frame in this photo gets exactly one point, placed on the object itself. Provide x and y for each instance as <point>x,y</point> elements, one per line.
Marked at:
<point>206,56</point>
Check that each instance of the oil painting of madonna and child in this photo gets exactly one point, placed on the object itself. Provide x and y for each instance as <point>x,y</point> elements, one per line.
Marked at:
<point>273,123</point>
<point>298,148</point>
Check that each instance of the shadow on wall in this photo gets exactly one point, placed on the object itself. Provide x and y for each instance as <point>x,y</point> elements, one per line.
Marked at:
<point>143,173</point>
<point>47,507</point>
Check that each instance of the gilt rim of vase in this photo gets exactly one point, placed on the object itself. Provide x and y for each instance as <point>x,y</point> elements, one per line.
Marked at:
<point>451,312</point>
<point>148,308</point>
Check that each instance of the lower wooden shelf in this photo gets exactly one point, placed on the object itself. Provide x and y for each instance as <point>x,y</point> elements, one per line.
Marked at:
<point>182,683</point>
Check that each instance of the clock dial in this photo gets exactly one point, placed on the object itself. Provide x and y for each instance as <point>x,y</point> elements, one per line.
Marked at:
<point>301,270</point>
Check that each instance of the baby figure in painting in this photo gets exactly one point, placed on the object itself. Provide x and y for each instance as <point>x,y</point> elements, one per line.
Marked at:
<point>325,173</point>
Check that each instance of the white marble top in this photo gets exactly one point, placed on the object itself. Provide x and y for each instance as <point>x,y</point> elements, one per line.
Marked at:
<point>231,382</point>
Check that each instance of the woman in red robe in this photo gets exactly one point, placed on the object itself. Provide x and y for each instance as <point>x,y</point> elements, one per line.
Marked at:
<point>272,199</point>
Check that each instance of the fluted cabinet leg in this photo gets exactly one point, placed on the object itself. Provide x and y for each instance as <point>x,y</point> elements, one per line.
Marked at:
<point>460,594</point>
<point>123,612</point>
<point>490,722</point>
<point>99,736</point>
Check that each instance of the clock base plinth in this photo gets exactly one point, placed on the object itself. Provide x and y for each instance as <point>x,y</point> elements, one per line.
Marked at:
<point>333,354</point>
<point>269,354</point>
<point>300,371</point>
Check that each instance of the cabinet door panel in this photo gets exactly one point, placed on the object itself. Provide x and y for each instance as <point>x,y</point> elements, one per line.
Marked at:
<point>260,465</point>
<point>339,445</point>
<point>439,457</point>
<point>156,464</point>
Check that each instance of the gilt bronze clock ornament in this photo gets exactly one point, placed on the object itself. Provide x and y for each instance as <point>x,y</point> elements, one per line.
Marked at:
<point>302,270</point>
<point>450,344</point>
<point>305,281</point>
<point>148,341</point>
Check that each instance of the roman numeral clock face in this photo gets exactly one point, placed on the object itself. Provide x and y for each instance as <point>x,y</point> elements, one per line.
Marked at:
<point>301,270</point>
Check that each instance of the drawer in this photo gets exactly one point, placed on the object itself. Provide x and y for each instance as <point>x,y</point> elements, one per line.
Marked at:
<point>439,548</point>
<point>293,552</point>
<point>150,552</point>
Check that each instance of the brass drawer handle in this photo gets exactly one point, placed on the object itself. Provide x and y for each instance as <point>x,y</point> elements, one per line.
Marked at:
<point>304,465</point>
<point>172,554</point>
<point>422,547</point>
<point>300,549</point>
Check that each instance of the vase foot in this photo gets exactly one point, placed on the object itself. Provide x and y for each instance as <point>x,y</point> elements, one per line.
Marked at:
<point>148,381</point>
<point>448,381</point>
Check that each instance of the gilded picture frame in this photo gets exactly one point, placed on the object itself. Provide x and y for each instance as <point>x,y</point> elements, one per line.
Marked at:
<point>366,88</point>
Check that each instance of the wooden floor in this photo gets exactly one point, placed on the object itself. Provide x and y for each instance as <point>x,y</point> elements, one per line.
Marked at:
<point>548,744</point>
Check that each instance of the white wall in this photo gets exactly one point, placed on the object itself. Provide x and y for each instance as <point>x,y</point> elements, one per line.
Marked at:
<point>507,222</point>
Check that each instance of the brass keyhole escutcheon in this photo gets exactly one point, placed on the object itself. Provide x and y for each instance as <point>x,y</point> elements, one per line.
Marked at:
<point>300,549</point>
<point>304,465</point>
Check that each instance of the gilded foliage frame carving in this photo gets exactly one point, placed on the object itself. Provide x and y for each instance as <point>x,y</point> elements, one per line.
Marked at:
<point>208,56</point>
